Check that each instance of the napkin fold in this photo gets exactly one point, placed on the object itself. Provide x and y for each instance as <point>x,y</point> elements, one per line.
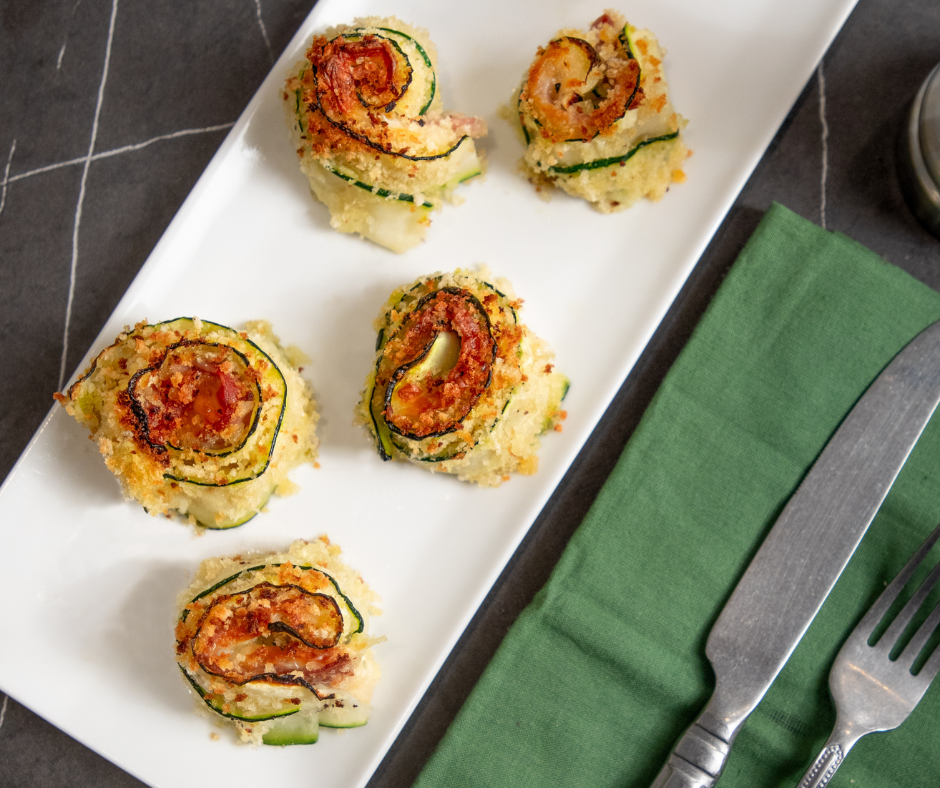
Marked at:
<point>606,668</point>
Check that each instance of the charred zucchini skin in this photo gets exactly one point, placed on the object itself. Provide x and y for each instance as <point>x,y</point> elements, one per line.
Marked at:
<point>395,39</point>
<point>422,54</point>
<point>586,166</point>
<point>191,417</point>
<point>303,728</point>
<point>402,370</point>
<point>471,170</point>
<point>259,443</point>
<point>391,442</point>
<point>354,614</point>
<point>627,51</point>
<point>499,435</point>
<point>378,150</point>
<point>141,415</point>
<point>262,442</point>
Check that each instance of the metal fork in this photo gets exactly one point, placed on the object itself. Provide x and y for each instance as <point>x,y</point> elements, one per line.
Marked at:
<point>872,692</point>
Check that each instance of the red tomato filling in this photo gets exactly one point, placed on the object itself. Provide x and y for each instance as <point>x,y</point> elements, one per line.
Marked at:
<point>423,402</point>
<point>574,95</point>
<point>201,397</point>
<point>354,77</point>
<point>269,631</point>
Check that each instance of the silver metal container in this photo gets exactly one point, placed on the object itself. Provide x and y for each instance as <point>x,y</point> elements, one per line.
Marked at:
<point>919,159</point>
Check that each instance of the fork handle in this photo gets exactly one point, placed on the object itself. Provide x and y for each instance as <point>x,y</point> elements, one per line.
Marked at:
<point>828,761</point>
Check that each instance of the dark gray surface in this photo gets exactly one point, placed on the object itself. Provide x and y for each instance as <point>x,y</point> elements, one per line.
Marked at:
<point>49,105</point>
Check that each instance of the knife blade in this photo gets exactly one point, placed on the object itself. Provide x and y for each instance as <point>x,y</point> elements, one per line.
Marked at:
<point>804,554</point>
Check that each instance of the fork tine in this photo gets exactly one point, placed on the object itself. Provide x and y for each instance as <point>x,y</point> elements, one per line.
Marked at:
<point>878,610</point>
<point>932,665</point>
<point>912,649</point>
<point>903,619</point>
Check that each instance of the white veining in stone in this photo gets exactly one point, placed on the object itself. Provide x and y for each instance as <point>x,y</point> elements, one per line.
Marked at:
<point>3,709</point>
<point>170,136</point>
<point>47,168</point>
<point>123,149</point>
<point>825,144</point>
<point>58,63</point>
<point>6,177</point>
<point>264,30</point>
<point>81,194</point>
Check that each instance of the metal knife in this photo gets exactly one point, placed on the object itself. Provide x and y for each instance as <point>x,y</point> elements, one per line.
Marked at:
<point>805,552</point>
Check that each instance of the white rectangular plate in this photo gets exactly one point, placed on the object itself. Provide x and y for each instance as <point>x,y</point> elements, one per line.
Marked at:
<point>89,581</point>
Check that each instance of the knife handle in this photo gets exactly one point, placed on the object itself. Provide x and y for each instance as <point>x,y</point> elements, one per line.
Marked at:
<point>695,762</point>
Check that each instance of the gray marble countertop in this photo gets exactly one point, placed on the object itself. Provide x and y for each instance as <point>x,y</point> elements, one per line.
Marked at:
<point>93,169</point>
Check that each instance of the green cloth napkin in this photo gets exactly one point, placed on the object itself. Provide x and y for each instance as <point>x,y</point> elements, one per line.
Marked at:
<point>606,668</point>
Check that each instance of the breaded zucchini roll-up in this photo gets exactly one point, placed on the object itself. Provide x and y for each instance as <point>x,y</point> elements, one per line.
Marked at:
<point>365,112</point>
<point>197,419</point>
<point>459,385</point>
<point>596,117</point>
<point>276,644</point>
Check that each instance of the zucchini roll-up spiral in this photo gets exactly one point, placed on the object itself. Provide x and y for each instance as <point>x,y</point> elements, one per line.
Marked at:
<point>595,115</point>
<point>198,419</point>
<point>364,108</point>
<point>459,385</point>
<point>276,644</point>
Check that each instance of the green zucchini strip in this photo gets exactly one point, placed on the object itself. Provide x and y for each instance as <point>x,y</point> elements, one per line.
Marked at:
<point>470,176</point>
<point>627,43</point>
<point>599,163</point>
<point>207,699</point>
<point>382,432</point>
<point>442,457</point>
<point>377,191</point>
<point>225,526</point>
<point>296,730</point>
<point>424,57</point>
<point>382,149</point>
<point>525,130</point>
